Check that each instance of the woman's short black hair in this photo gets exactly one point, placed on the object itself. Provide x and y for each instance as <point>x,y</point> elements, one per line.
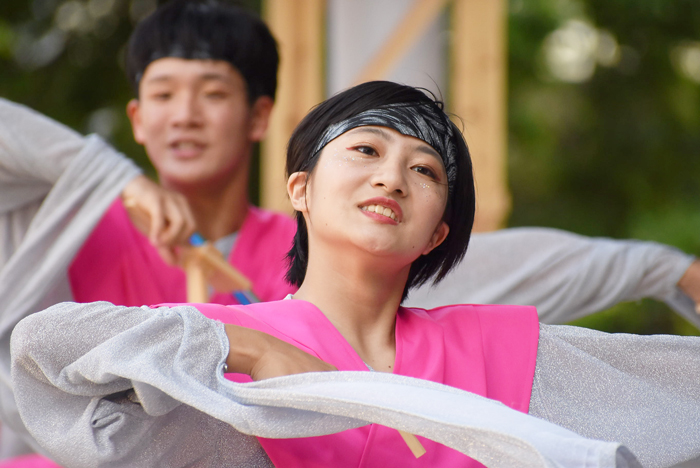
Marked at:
<point>209,30</point>
<point>459,212</point>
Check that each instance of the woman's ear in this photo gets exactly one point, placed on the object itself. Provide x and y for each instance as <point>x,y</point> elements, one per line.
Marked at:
<point>438,237</point>
<point>296,189</point>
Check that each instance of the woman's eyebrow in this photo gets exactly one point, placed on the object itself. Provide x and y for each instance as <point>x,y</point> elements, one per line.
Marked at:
<point>374,130</point>
<point>427,149</point>
<point>423,147</point>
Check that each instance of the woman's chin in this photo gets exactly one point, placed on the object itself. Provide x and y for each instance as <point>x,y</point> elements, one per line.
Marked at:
<point>388,251</point>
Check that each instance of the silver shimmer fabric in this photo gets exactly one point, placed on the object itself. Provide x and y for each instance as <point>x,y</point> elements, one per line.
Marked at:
<point>565,275</point>
<point>75,365</point>
<point>55,186</point>
<point>641,390</point>
<point>422,121</point>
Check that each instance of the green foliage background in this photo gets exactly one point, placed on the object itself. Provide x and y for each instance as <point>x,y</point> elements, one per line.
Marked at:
<point>616,155</point>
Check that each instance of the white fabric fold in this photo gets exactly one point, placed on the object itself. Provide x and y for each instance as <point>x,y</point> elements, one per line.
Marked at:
<point>172,355</point>
<point>55,185</point>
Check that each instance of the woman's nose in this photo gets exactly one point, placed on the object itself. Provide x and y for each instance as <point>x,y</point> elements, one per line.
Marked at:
<point>391,177</point>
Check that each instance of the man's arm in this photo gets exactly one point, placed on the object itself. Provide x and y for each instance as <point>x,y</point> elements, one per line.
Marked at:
<point>55,186</point>
<point>37,154</point>
<point>46,169</point>
<point>566,276</point>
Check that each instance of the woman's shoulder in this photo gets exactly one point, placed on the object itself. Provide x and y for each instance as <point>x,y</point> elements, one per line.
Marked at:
<point>489,319</point>
<point>460,311</point>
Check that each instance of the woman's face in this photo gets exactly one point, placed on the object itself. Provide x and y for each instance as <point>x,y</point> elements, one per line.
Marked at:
<point>377,190</point>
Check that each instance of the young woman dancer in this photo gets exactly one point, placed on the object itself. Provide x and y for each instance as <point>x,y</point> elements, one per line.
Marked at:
<point>383,188</point>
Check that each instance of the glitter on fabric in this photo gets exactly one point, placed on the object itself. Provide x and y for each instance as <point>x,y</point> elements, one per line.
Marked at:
<point>423,121</point>
<point>642,391</point>
<point>188,411</point>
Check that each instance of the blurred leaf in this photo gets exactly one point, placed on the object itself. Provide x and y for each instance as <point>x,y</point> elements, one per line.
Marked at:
<point>7,38</point>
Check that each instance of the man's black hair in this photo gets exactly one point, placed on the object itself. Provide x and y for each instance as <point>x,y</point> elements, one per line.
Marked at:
<point>209,30</point>
<point>459,212</point>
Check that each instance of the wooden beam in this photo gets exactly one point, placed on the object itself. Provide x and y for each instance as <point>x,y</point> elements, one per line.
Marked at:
<point>412,26</point>
<point>298,27</point>
<point>478,96</point>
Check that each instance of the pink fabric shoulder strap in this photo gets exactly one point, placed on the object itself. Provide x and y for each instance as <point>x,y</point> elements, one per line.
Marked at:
<point>118,264</point>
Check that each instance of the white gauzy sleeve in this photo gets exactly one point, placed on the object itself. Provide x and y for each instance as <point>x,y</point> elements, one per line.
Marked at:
<point>566,276</point>
<point>77,399</point>
<point>642,391</point>
<point>101,385</point>
<point>55,186</point>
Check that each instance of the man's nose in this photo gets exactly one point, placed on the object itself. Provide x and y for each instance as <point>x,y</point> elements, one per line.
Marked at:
<point>187,112</point>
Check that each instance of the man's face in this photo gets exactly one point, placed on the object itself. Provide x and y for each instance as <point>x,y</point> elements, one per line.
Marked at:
<point>195,121</point>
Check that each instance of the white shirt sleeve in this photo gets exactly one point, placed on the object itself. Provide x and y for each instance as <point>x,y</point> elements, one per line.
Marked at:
<point>75,364</point>
<point>566,276</point>
<point>55,186</point>
<point>642,391</point>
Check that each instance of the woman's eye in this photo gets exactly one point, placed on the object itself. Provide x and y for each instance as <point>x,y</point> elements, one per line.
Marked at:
<point>425,171</point>
<point>368,150</point>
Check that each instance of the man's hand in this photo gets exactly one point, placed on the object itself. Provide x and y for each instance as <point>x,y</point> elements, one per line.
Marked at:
<point>161,214</point>
<point>263,356</point>
<point>690,283</point>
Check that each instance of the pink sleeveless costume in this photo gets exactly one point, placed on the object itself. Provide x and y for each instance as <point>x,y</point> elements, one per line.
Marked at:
<point>485,349</point>
<point>118,264</point>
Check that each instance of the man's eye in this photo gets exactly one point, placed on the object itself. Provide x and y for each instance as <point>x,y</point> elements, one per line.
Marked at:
<point>161,96</point>
<point>216,95</point>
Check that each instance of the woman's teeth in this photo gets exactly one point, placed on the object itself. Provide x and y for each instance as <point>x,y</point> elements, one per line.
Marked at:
<point>382,210</point>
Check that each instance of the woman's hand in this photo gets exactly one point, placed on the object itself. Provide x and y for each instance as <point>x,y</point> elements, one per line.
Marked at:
<point>262,356</point>
<point>162,214</point>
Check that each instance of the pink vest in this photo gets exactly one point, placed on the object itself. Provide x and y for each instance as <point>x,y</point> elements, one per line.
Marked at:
<point>118,264</point>
<point>485,349</point>
<point>28,461</point>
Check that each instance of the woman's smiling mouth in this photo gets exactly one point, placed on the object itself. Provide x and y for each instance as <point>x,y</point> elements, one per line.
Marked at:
<point>382,209</point>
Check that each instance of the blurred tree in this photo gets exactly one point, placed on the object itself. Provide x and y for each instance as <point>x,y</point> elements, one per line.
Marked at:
<point>605,127</point>
<point>604,110</point>
<point>65,58</point>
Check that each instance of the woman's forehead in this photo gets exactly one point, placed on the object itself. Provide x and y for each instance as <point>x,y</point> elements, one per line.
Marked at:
<point>390,135</point>
<point>419,120</point>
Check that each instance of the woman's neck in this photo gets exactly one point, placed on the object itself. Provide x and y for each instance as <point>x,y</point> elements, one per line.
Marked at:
<point>360,296</point>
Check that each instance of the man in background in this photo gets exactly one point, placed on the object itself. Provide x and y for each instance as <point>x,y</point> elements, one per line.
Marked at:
<point>205,75</point>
